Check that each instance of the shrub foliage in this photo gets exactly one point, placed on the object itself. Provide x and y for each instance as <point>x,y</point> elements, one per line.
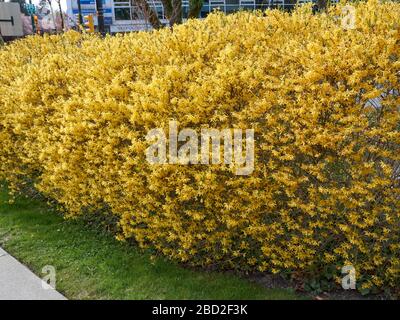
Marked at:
<point>75,110</point>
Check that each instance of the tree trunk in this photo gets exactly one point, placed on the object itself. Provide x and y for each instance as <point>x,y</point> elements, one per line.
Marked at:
<point>61,14</point>
<point>176,14</point>
<point>195,8</point>
<point>167,4</point>
<point>52,15</point>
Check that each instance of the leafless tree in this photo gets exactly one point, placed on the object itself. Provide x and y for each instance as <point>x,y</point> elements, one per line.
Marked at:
<point>149,13</point>
<point>61,14</point>
<point>172,11</point>
<point>176,13</point>
<point>52,14</point>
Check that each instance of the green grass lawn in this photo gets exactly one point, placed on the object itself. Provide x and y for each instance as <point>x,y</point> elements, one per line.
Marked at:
<point>93,265</point>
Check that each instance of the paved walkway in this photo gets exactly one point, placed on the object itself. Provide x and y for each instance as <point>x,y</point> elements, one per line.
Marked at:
<point>17,282</point>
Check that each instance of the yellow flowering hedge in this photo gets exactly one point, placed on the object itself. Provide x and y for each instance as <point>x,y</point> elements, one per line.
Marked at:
<point>75,110</point>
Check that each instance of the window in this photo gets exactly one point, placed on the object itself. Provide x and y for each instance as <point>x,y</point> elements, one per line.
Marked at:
<point>126,10</point>
<point>122,13</point>
<point>122,10</point>
<point>232,5</point>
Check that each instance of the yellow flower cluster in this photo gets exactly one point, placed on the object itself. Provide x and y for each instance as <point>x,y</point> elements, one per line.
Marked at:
<point>323,101</point>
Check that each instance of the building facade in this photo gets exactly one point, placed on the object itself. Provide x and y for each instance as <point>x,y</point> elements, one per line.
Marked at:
<point>124,16</point>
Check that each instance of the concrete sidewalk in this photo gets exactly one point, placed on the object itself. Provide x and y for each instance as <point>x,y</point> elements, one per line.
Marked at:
<point>17,282</point>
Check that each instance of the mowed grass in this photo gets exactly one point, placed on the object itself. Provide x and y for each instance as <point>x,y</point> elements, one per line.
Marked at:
<point>93,265</point>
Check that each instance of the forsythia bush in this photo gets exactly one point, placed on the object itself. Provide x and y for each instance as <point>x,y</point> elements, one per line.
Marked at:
<point>75,110</point>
